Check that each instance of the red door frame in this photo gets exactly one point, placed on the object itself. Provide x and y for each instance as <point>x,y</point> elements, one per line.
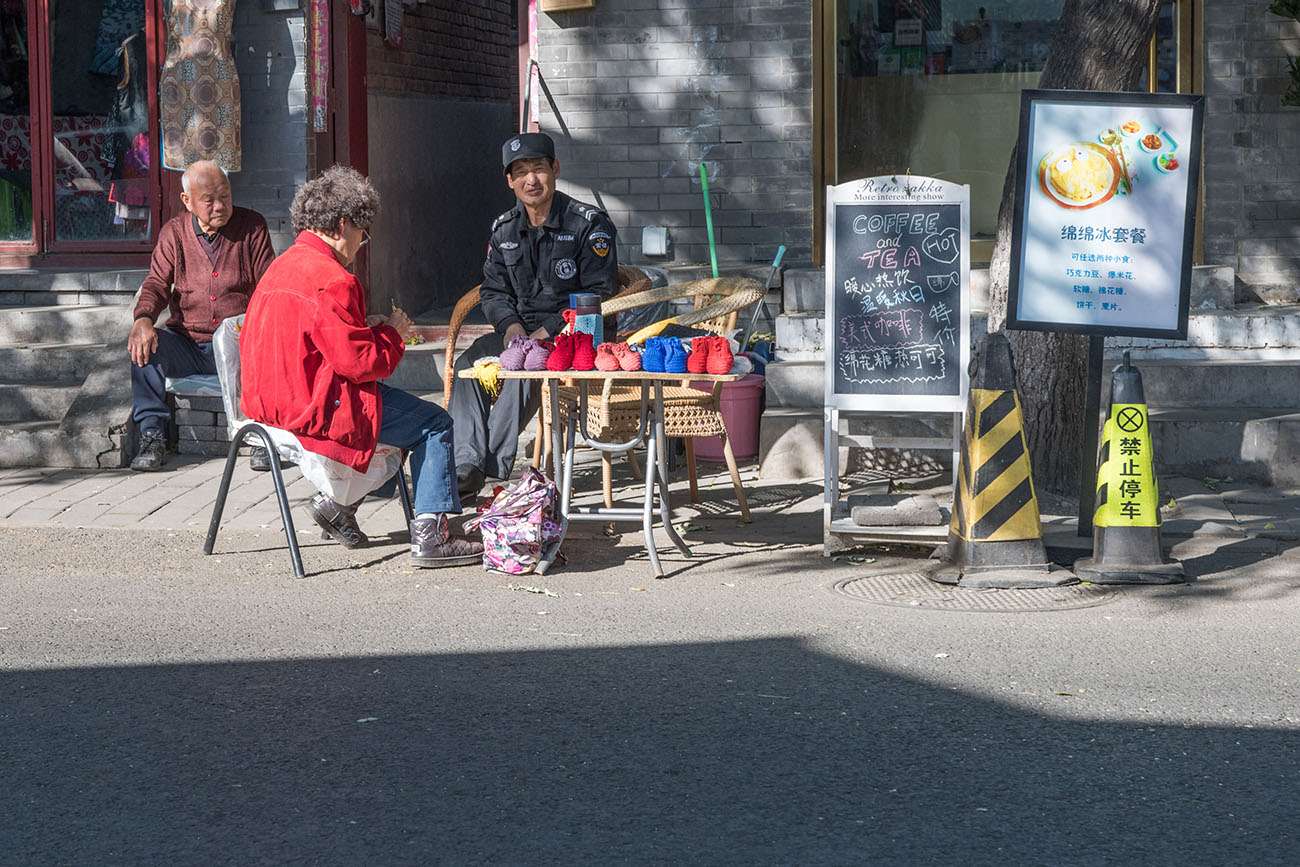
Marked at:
<point>346,142</point>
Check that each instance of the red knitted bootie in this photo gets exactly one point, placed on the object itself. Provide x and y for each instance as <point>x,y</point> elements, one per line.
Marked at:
<point>605,359</point>
<point>561,357</point>
<point>720,357</point>
<point>698,361</point>
<point>628,358</point>
<point>584,352</point>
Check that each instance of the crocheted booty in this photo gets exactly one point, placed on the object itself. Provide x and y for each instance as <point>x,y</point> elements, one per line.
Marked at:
<point>698,360</point>
<point>538,352</point>
<point>605,359</point>
<point>512,357</point>
<point>674,355</point>
<point>653,357</point>
<point>628,358</point>
<point>720,357</point>
<point>584,352</point>
<point>561,357</point>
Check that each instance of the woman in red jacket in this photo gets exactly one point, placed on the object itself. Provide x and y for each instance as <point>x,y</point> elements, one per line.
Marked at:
<point>312,359</point>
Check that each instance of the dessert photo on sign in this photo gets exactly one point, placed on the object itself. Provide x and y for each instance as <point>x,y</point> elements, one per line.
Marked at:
<point>1121,159</point>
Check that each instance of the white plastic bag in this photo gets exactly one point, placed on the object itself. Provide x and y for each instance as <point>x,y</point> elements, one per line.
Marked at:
<point>338,481</point>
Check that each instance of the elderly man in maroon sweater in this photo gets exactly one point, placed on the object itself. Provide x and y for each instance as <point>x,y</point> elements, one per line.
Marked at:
<point>205,267</point>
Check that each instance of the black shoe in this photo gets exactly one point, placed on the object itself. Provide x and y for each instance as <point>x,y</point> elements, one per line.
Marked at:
<point>338,521</point>
<point>152,454</point>
<point>260,460</point>
<point>433,546</point>
<point>469,480</point>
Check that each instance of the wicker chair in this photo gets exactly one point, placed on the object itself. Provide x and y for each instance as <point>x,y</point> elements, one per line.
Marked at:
<point>631,281</point>
<point>688,412</point>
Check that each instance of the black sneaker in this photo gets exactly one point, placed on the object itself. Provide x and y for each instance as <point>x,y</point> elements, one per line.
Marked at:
<point>338,521</point>
<point>152,454</point>
<point>469,480</point>
<point>433,546</point>
<point>259,460</point>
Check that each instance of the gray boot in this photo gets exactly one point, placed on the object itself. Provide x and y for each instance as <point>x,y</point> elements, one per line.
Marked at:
<point>337,520</point>
<point>433,546</point>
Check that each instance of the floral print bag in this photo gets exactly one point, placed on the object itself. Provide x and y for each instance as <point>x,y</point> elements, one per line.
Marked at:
<point>519,524</point>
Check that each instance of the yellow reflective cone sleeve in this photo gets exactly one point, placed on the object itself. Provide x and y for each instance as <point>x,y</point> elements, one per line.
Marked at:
<point>995,500</point>
<point>1126,482</point>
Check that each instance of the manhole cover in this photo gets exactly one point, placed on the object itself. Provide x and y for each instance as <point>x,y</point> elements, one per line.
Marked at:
<point>915,590</point>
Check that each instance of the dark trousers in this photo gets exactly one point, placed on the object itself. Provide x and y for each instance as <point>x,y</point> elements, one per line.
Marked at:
<point>176,356</point>
<point>487,433</point>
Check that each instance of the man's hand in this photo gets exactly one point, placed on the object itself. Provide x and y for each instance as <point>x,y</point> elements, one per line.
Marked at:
<point>142,342</point>
<point>513,330</point>
<point>540,334</point>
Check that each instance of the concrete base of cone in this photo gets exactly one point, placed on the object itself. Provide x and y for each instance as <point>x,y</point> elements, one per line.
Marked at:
<point>1005,578</point>
<point>1088,569</point>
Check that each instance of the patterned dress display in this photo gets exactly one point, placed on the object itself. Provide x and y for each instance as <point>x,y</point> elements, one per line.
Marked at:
<point>200,87</point>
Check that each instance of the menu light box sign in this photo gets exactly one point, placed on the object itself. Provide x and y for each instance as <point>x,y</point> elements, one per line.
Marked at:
<point>1105,211</point>
<point>897,272</point>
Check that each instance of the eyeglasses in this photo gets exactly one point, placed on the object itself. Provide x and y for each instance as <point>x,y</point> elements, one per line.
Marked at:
<point>365,239</point>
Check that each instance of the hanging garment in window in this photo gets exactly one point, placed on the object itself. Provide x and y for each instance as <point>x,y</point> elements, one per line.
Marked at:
<point>200,87</point>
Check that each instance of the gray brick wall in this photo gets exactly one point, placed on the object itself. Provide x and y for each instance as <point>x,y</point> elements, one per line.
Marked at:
<point>1252,145</point>
<point>271,56</point>
<point>647,89</point>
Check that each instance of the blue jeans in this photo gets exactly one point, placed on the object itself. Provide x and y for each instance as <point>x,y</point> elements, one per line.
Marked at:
<point>176,356</point>
<point>424,430</point>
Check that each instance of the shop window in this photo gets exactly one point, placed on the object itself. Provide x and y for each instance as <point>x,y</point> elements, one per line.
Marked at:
<point>933,87</point>
<point>81,72</point>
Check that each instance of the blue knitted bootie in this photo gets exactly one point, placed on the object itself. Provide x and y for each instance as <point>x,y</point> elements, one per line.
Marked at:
<point>674,356</point>
<point>654,355</point>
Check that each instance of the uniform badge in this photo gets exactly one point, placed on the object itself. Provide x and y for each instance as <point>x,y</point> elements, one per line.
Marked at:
<point>565,268</point>
<point>509,245</point>
<point>600,244</point>
<point>514,144</point>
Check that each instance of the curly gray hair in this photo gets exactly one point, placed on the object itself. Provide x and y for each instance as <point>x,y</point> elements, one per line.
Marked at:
<point>340,193</point>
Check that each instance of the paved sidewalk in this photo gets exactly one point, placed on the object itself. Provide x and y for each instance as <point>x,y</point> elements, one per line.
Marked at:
<point>1204,513</point>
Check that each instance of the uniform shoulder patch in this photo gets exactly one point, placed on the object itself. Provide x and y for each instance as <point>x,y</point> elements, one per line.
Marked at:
<point>503,218</point>
<point>587,212</point>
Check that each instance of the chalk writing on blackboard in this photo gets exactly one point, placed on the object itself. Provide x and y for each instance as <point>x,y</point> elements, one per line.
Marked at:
<point>897,310</point>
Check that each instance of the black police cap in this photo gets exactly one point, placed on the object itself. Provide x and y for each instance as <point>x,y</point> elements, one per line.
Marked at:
<point>527,145</point>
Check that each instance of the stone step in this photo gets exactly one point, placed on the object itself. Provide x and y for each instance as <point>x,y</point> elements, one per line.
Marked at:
<point>48,444</point>
<point>43,362</point>
<point>795,384</point>
<point>78,286</point>
<point>1252,445</point>
<point>1256,446</point>
<point>1214,384</point>
<point>65,323</point>
<point>1266,331</point>
<point>25,401</point>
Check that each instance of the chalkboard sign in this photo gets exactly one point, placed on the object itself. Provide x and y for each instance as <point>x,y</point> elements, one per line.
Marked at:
<point>897,278</point>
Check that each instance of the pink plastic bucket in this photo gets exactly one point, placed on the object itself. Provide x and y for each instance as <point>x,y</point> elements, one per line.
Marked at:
<point>740,401</point>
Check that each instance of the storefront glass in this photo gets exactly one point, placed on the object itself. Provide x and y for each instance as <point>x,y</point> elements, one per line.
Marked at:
<point>100,107</point>
<point>933,87</point>
<point>15,124</point>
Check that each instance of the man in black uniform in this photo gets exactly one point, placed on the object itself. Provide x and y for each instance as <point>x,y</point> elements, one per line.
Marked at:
<point>543,249</point>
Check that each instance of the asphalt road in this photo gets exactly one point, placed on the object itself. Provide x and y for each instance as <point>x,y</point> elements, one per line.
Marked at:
<point>161,707</point>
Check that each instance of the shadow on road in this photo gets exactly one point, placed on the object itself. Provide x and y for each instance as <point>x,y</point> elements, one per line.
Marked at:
<point>752,752</point>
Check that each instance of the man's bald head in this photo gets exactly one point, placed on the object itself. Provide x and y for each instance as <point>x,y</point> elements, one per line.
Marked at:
<point>205,192</point>
<point>204,170</point>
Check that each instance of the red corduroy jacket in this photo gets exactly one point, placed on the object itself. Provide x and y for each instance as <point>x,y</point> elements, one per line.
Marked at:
<point>309,363</point>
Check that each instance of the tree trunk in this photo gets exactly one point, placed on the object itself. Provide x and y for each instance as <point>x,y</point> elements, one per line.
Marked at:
<point>1099,45</point>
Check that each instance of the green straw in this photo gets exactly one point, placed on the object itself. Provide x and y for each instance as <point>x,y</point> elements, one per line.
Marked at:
<point>708,218</point>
